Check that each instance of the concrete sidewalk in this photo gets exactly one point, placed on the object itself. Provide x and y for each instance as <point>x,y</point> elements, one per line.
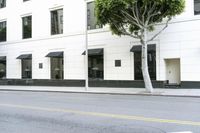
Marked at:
<point>105,90</point>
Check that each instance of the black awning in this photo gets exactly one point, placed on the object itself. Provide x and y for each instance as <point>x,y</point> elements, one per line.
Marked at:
<point>25,56</point>
<point>55,54</point>
<point>94,52</point>
<point>138,48</point>
<point>2,58</point>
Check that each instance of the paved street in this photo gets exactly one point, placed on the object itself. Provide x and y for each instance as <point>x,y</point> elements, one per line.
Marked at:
<point>51,112</point>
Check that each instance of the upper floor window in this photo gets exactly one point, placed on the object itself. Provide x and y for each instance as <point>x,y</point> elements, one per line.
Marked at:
<point>2,31</point>
<point>2,3</point>
<point>91,18</point>
<point>57,22</point>
<point>196,7</point>
<point>27,27</point>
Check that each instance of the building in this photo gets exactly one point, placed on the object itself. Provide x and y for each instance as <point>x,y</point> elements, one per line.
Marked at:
<point>43,43</point>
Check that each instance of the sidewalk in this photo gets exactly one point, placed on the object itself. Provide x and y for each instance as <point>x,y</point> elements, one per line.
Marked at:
<point>129,91</point>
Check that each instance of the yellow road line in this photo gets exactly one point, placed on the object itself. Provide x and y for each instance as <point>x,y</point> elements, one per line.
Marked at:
<point>116,116</point>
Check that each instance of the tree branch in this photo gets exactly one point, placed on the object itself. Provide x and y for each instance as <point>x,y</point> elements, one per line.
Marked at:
<point>166,25</point>
<point>152,8</point>
<point>143,14</point>
<point>124,31</point>
<point>131,18</point>
<point>136,13</point>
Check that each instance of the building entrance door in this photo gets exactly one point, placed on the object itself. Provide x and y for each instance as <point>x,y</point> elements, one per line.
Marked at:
<point>173,71</point>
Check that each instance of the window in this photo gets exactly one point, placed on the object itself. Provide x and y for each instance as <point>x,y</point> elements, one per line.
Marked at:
<point>27,27</point>
<point>196,7</point>
<point>25,0</point>
<point>95,63</point>
<point>57,22</point>
<point>40,65</point>
<point>56,64</point>
<point>151,65</point>
<point>95,66</point>
<point>56,68</point>
<point>117,63</point>
<point>2,31</point>
<point>26,68</point>
<point>2,3</point>
<point>91,18</point>
<point>2,67</point>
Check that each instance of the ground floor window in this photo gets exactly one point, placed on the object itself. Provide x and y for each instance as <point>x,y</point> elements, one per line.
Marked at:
<point>2,69</point>
<point>151,65</point>
<point>26,68</point>
<point>151,57</point>
<point>56,68</point>
<point>95,67</point>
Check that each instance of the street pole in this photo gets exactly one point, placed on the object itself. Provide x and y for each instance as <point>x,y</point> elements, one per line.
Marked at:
<point>86,47</point>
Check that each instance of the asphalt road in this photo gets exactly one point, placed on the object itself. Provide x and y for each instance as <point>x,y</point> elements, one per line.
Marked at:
<point>47,112</point>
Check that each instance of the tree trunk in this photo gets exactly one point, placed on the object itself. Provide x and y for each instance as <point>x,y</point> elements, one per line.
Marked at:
<point>145,71</point>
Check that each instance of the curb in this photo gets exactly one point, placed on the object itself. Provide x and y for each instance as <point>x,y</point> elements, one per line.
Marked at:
<point>109,93</point>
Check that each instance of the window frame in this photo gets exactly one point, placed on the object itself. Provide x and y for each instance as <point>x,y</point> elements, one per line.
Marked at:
<point>25,75</point>
<point>57,68</point>
<point>1,23</point>
<point>195,11</point>
<point>3,5</point>
<point>23,26</point>
<point>3,66</point>
<point>152,64</point>
<point>95,26</point>
<point>59,18</point>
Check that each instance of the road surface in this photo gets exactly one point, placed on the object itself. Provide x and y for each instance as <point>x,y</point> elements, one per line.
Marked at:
<point>51,112</point>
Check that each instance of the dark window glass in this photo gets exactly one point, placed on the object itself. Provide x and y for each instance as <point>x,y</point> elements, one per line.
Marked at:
<point>117,63</point>
<point>91,18</point>
<point>196,7</point>
<point>95,67</point>
<point>2,69</point>
<point>2,31</point>
<point>2,3</point>
<point>25,0</point>
<point>56,68</point>
<point>27,27</point>
<point>26,68</point>
<point>151,65</point>
<point>57,22</point>
<point>40,65</point>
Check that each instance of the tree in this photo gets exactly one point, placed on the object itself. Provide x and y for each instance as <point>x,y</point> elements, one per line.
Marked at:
<point>136,18</point>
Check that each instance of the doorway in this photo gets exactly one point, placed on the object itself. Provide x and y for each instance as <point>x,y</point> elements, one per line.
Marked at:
<point>56,68</point>
<point>95,67</point>
<point>173,71</point>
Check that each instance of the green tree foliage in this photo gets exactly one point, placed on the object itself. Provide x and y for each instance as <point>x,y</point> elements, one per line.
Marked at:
<point>127,17</point>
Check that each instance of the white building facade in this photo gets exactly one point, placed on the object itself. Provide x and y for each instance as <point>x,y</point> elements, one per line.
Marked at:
<point>43,43</point>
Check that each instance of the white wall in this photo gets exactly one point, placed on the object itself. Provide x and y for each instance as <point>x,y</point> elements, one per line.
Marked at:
<point>180,40</point>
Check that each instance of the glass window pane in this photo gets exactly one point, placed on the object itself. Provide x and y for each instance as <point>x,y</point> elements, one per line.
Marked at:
<point>137,66</point>
<point>196,7</point>
<point>3,69</point>
<point>27,27</point>
<point>151,65</point>
<point>57,22</point>
<point>2,31</point>
<point>117,63</point>
<point>91,18</point>
<point>56,68</point>
<point>95,67</point>
<point>2,3</point>
<point>26,68</point>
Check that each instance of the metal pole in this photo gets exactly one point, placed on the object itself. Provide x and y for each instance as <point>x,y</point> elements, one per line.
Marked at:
<point>86,47</point>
